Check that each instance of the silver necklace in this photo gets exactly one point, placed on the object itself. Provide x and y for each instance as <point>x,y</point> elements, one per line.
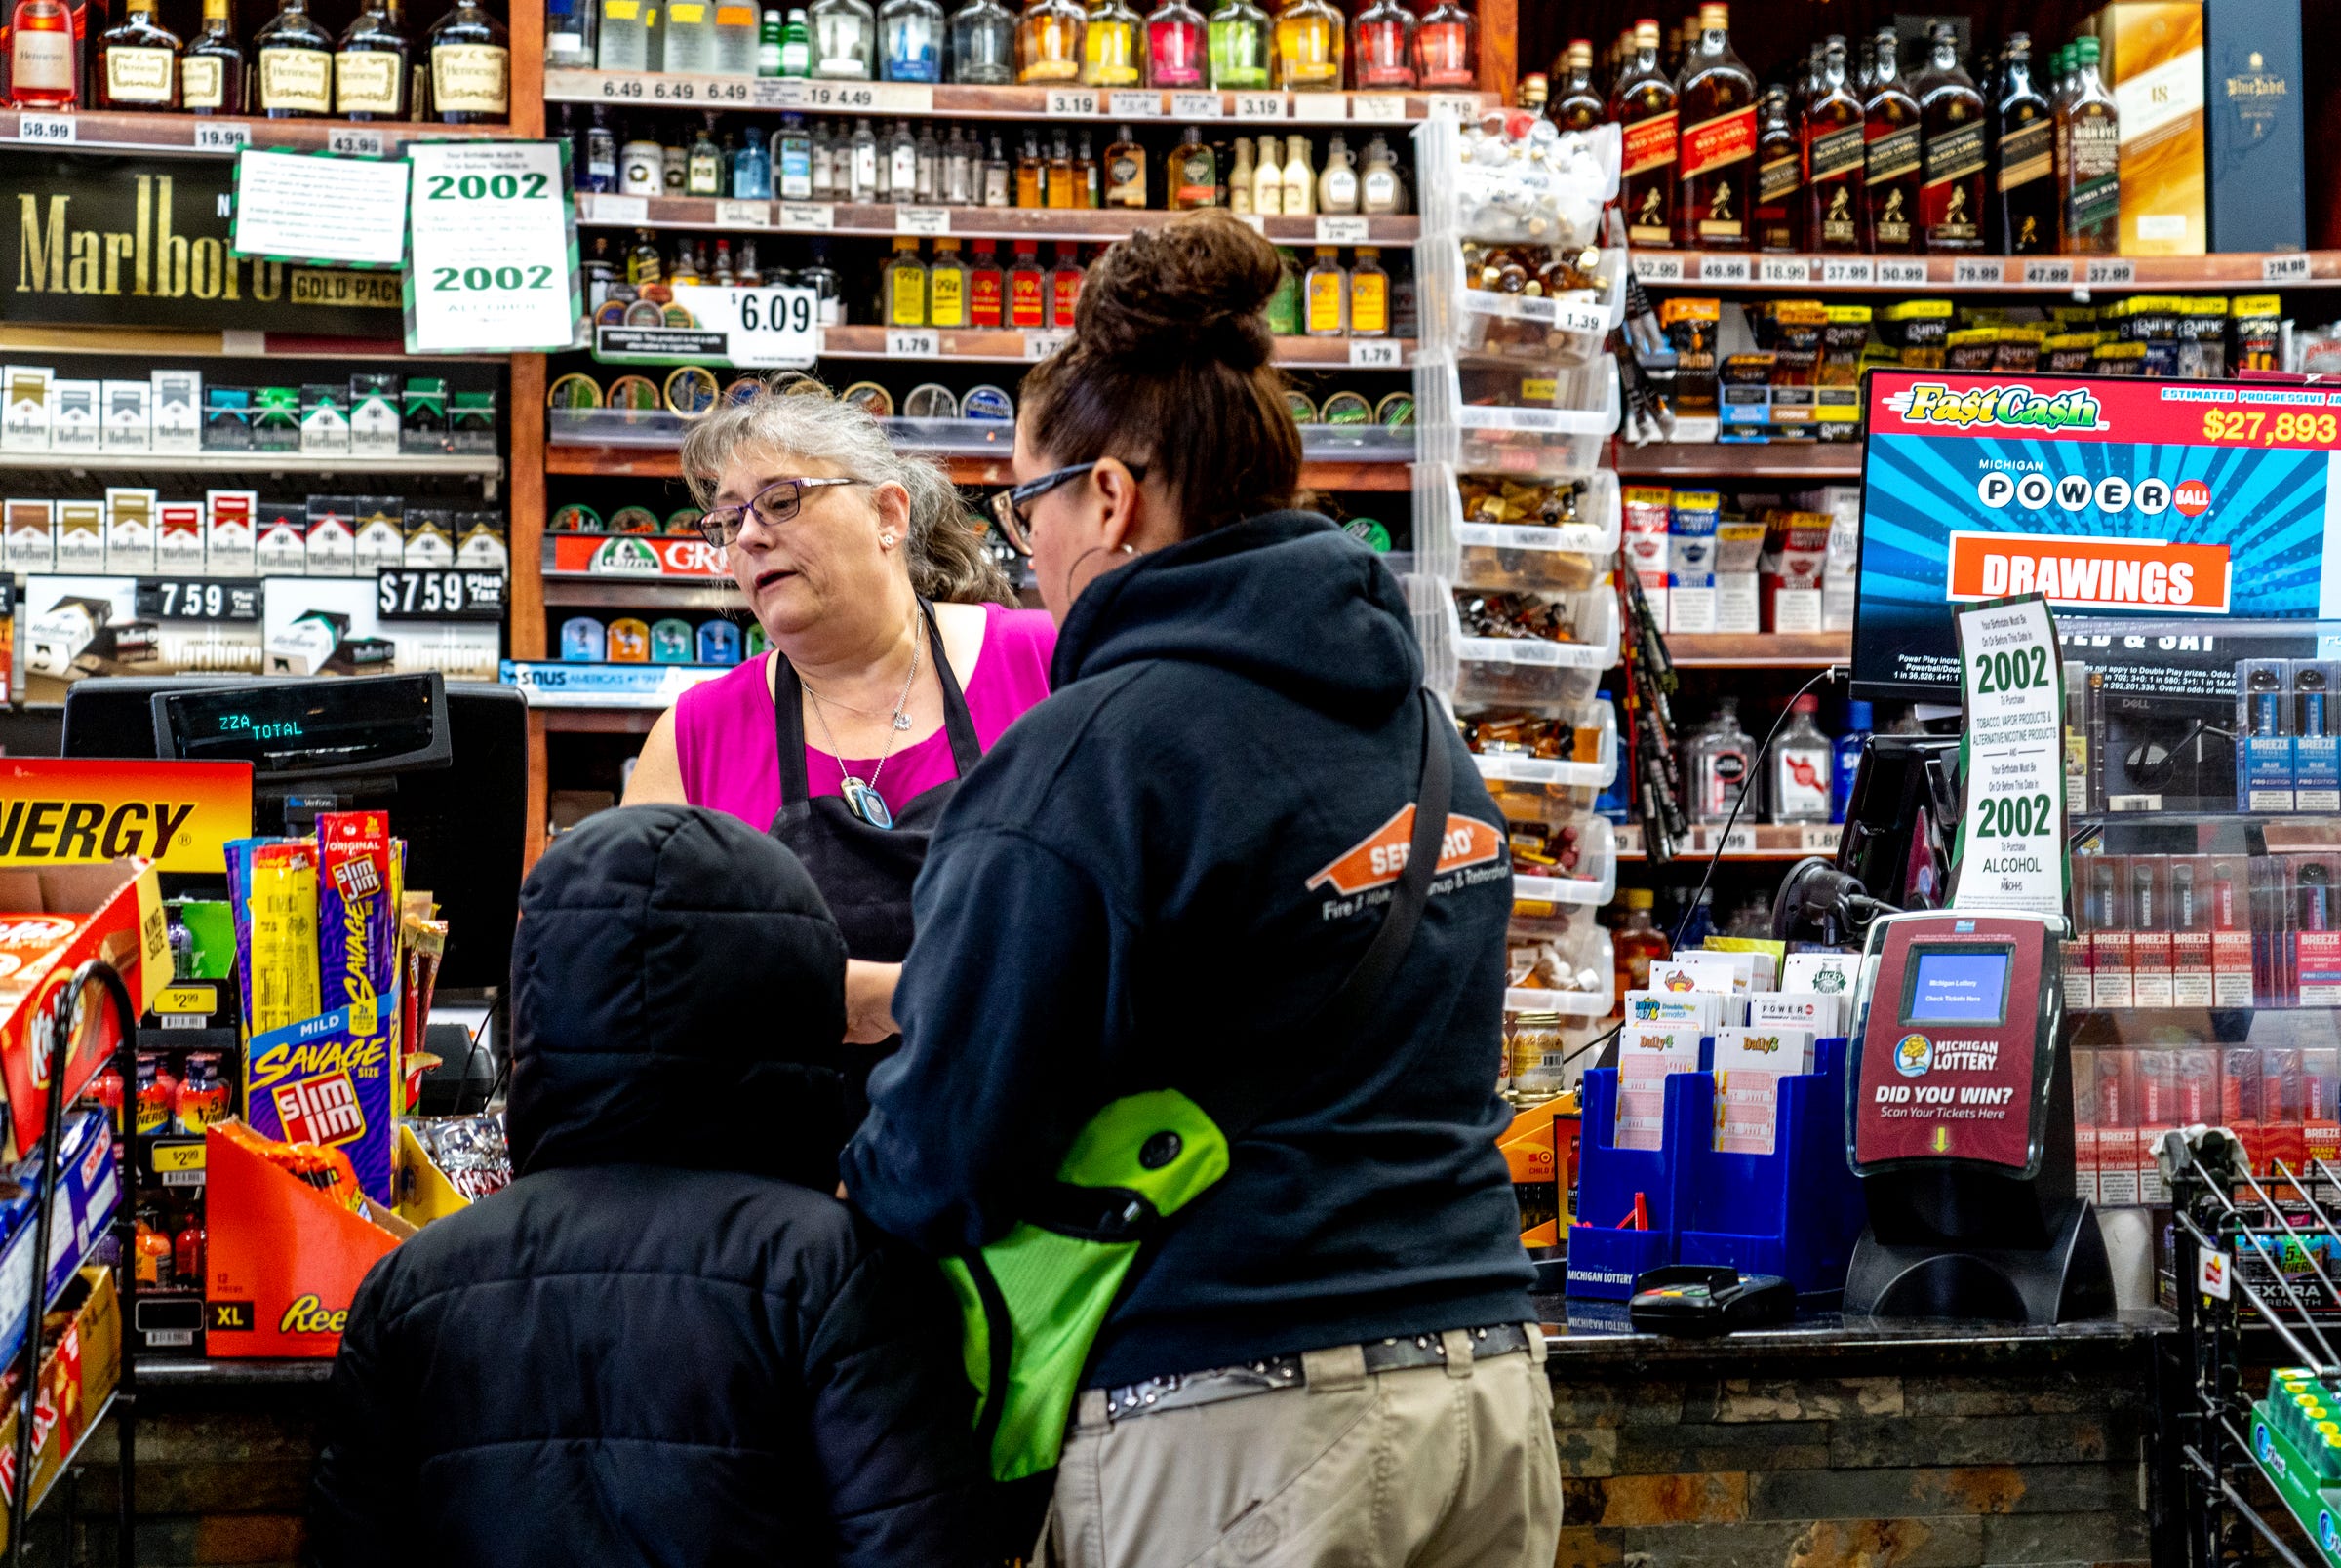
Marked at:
<point>861,796</point>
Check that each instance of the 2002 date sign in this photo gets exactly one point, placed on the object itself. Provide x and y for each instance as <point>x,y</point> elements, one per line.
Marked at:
<point>491,264</point>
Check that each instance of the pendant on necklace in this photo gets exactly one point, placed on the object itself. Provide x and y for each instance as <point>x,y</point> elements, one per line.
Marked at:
<point>864,803</point>
<point>901,720</point>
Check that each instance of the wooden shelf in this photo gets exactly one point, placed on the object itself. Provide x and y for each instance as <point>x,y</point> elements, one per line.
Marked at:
<point>613,593</point>
<point>883,219</point>
<point>598,721</point>
<point>1986,274</point>
<point>1758,650</point>
<point>1811,461</point>
<point>251,462</point>
<point>637,462</point>
<point>1008,347</point>
<point>218,137</point>
<point>1064,101</point>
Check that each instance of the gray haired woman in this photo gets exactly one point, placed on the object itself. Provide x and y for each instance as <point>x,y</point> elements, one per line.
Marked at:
<point>897,662</point>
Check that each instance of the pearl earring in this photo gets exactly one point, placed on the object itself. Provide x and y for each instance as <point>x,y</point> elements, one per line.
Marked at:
<point>886,541</point>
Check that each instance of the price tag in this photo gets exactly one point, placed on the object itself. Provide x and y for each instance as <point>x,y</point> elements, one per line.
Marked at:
<point>477,595</point>
<point>2293,269</point>
<point>222,136</point>
<point>1259,105</point>
<point>928,221</point>
<point>2119,273</point>
<point>2048,274</point>
<point>840,96</point>
<point>741,214</point>
<point>1783,269</point>
<point>1376,354</point>
<point>352,143</point>
<point>1971,274</point>
<point>1338,231</point>
<point>1847,271</point>
<point>813,218</point>
<point>1320,107</point>
<point>1891,273</point>
<point>1195,105</point>
<point>629,210</point>
<point>51,128</point>
<point>770,328</point>
<point>491,264</point>
<point>1039,345</point>
<point>920,342</point>
<point>1725,269</point>
<point>1738,842</point>
<point>1462,105</point>
<point>1382,107</point>
<point>1657,267</point>
<point>1069,101</point>
<point>214,598</point>
<point>1818,839</point>
<point>1135,105</point>
<point>775,93</point>
<point>614,85</point>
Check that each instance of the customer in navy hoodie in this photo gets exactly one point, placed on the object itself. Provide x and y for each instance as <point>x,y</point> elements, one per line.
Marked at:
<point>1157,876</point>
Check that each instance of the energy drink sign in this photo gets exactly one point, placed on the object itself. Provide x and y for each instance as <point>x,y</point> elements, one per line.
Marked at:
<point>2110,497</point>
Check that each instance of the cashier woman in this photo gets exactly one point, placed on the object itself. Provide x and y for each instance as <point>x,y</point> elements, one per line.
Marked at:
<point>897,663</point>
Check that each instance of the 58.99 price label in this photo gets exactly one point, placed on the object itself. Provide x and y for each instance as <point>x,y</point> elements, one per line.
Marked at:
<point>492,259</point>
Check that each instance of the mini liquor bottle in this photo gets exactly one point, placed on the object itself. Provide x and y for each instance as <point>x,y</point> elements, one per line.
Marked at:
<point>983,44</point>
<point>471,68</point>
<point>294,58</point>
<point>1780,177</point>
<point>211,74</point>
<point>1718,96</point>
<point>1378,190</point>
<point>844,40</point>
<point>751,176</point>
<point>2091,130</point>
<point>369,71</point>
<point>1085,172</point>
<point>738,30</point>
<point>44,65</point>
<point>2024,168</point>
<point>1951,115</point>
<point>1194,173</point>
<point>1382,45</point>
<point>569,32</point>
<point>1834,157</point>
<point>1061,186</point>
<point>1301,180</point>
<point>1032,172</point>
<point>1110,53</point>
<point>905,283</point>
<point>1241,180</point>
<point>1644,106</point>
<point>791,159</point>
<point>959,157</point>
<point>1238,45</point>
<point>1310,44</point>
<point>1338,186</point>
<point>863,161</point>
<point>1065,274</point>
<point>1368,294</point>
<point>138,62</point>
<point>999,179</point>
<point>1027,287</point>
<point>899,183</point>
<point>1533,94</point>
<point>1893,152</point>
<point>600,150</point>
<point>690,47</point>
<point>703,163</point>
<point>1049,41</point>
<point>1174,46</point>
<point>910,36</point>
<point>1577,106</point>
<point>1446,47</point>
<point>987,286</point>
<point>947,286</point>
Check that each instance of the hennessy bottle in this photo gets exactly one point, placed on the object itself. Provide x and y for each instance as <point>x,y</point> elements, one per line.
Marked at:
<point>2023,172</point>
<point>1951,115</point>
<point>472,67</point>
<point>1833,158</point>
<point>1644,106</point>
<point>138,62</point>
<point>1891,131</point>
<point>295,62</point>
<point>1718,98</point>
<point>370,73</point>
<point>211,74</point>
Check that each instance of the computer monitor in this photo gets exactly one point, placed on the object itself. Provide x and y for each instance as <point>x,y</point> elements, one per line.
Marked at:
<point>448,761</point>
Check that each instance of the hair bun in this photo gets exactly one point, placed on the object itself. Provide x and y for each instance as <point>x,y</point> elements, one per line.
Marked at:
<point>1191,291</point>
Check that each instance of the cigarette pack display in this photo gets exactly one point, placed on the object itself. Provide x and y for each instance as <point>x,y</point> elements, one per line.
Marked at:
<point>31,536</point>
<point>325,418</point>
<point>482,546</point>
<point>381,536</point>
<point>373,423</point>
<point>330,538</point>
<point>81,536</point>
<point>178,537</point>
<point>2117,1123</point>
<point>177,411</point>
<point>129,529</point>
<point>2148,890</point>
<point>24,412</point>
<point>429,537</point>
<point>228,534</point>
<point>2084,1067</point>
<point>129,416</point>
<point>280,542</point>
<point>227,419</point>
<point>74,424</point>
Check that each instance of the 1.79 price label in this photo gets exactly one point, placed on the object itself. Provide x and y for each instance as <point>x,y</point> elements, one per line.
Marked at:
<point>2263,427</point>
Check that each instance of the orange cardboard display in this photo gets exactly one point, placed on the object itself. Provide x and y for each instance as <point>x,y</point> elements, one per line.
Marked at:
<point>284,1260</point>
<point>77,1377</point>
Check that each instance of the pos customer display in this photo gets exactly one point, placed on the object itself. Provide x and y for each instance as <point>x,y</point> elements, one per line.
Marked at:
<point>449,763</point>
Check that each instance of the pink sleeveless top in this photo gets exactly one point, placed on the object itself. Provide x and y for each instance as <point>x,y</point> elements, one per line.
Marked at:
<point>731,758</point>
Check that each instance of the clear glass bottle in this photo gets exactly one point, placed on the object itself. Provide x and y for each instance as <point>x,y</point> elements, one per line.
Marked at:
<point>737,32</point>
<point>1325,290</point>
<point>828,289</point>
<point>1193,178</point>
<point>137,65</point>
<point>1338,186</point>
<point>769,32</point>
<point>2091,125</point>
<point>294,60</point>
<point>601,154</point>
<point>845,36</point>
<point>905,283</point>
<point>746,271</point>
<point>1175,47</point>
<point>211,74</point>
<point>862,168</point>
<point>691,37</point>
<point>901,180</point>
<point>1801,762</point>
<point>1716,764</point>
<point>1446,47</point>
<point>1382,45</point>
<point>569,34</point>
<point>999,178</point>
<point>829,156</point>
<point>958,170</point>
<point>1111,55</point>
<point>629,36</point>
<point>703,162</point>
<point>1238,45</point>
<point>983,44</point>
<point>911,33</point>
<point>793,153</point>
<point>796,44</point>
<point>947,286</point>
<point>1378,188</point>
<point>928,186</point>
<point>472,67</point>
<point>1310,46</point>
<point>1126,170</point>
<point>1718,92</point>
<point>1956,163</point>
<point>1368,294</point>
<point>1049,41</point>
<point>752,165</point>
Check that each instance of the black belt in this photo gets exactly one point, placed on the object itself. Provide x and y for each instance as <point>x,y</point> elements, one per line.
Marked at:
<point>1185,1389</point>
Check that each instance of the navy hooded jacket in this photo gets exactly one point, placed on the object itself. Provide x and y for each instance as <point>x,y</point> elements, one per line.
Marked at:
<point>665,1343</point>
<point>1152,880</point>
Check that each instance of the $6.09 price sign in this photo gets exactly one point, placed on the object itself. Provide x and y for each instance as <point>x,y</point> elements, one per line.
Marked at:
<point>492,256</point>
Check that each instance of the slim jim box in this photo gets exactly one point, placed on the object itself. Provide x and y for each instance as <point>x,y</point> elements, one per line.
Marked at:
<point>2153,65</point>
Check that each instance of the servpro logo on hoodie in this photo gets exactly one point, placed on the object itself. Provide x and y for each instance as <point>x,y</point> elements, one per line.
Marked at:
<point>1378,859</point>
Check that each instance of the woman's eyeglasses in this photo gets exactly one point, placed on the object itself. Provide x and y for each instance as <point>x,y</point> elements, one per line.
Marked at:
<point>1011,507</point>
<point>777,503</point>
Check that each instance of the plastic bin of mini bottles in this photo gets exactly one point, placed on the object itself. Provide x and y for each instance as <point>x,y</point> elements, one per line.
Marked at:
<point>1592,880</point>
<point>1465,548</point>
<point>1515,176</point>
<point>1573,975</point>
<point>1562,327</point>
<point>1587,761</point>
<point>1479,431</point>
<point>1484,672</point>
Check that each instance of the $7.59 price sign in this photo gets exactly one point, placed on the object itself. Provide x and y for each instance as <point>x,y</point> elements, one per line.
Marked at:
<point>493,247</point>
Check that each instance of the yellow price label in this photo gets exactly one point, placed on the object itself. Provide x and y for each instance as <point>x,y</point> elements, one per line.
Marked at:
<point>201,999</point>
<point>177,1157</point>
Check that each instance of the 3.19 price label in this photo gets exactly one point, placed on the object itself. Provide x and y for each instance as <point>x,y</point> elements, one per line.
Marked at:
<point>404,595</point>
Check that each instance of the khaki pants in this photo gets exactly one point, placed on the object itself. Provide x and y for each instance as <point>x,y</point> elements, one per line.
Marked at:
<point>1438,1466</point>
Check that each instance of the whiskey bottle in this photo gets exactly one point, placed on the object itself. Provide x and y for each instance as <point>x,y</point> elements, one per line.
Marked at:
<point>2092,135</point>
<point>471,68</point>
<point>1577,106</point>
<point>1951,196</point>
<point>1833,157</point>
<point>211,74</point>
<point>1111,54</point>
<point>1644,106</point>
<point>1382,44</point>
<point>1049,41</point>
<point>369,71</point>
<point>296,60</point>
<point>138,62</point>
<point>1126,170</point>
<point>1893,151</point>
<point>1446,47</point>
<point>1194,173</point>
<point>1780,177</point>
<point>1176,50</point>
<point>1311,41</point>
<point>1238,43</point>
<point>1718,98</point>
<point>2024,172</point>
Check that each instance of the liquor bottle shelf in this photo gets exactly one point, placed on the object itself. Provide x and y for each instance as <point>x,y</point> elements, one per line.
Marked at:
<point>1016,346</point>
<point>1064,101</point>
<point>214,136</point>
<point>1746,842</point>
<point>1758,650</point>
<point>2031,274</point>
<point>1814,462</point>
<point>250,462</point>
<point>881,219</point>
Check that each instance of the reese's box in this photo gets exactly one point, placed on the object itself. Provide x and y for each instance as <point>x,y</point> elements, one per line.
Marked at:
<point>285,1255</point>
